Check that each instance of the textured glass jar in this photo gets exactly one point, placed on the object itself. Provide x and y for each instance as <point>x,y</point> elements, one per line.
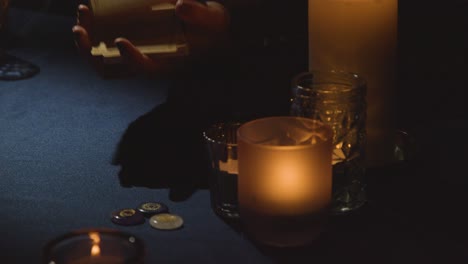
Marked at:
<point>339,100</point>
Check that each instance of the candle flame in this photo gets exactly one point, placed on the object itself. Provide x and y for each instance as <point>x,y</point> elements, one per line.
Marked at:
<point>94,236</point>
<point>95,249</point>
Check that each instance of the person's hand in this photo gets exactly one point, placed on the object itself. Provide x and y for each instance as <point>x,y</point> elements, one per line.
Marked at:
<point>206,26</point>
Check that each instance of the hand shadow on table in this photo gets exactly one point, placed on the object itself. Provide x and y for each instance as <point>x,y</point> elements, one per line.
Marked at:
<point>163,149</point>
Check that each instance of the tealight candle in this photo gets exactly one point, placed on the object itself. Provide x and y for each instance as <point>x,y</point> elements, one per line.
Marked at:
<point>285,179</point>
<point>360,36</point>
<point>93,246</point>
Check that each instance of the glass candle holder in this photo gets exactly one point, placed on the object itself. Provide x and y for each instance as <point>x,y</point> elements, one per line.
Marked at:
<point>92,246</point>
<point>221,143</point>
<point>285,179</point>
<point>339,100</point>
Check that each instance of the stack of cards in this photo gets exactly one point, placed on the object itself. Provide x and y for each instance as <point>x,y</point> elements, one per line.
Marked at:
<point>151,25</point>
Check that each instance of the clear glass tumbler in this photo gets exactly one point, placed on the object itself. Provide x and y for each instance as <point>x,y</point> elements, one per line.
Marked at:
<point>339,100</point>
<point>221,142</point>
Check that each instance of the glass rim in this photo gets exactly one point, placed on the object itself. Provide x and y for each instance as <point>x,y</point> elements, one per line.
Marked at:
<point>320,124</point>
<point>353,79</point>
<point>216,126</point>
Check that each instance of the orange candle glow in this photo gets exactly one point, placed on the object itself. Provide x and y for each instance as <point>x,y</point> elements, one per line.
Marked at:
<point>360,36</point>
<point>285,178</point>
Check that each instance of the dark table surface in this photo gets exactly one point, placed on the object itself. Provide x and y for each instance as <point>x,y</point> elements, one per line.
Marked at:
<point>59,131</point>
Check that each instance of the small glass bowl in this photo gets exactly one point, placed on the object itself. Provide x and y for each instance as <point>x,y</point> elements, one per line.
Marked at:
<point>94,246</point>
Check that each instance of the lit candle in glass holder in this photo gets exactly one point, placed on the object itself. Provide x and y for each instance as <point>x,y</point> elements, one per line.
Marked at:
<point>93,246</point>
<point>285,179</point>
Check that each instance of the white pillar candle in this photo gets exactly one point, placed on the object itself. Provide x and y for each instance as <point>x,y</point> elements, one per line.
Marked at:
<point>361,36</point>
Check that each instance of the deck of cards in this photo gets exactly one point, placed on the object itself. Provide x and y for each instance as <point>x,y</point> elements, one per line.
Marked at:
<point>151,25</point>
